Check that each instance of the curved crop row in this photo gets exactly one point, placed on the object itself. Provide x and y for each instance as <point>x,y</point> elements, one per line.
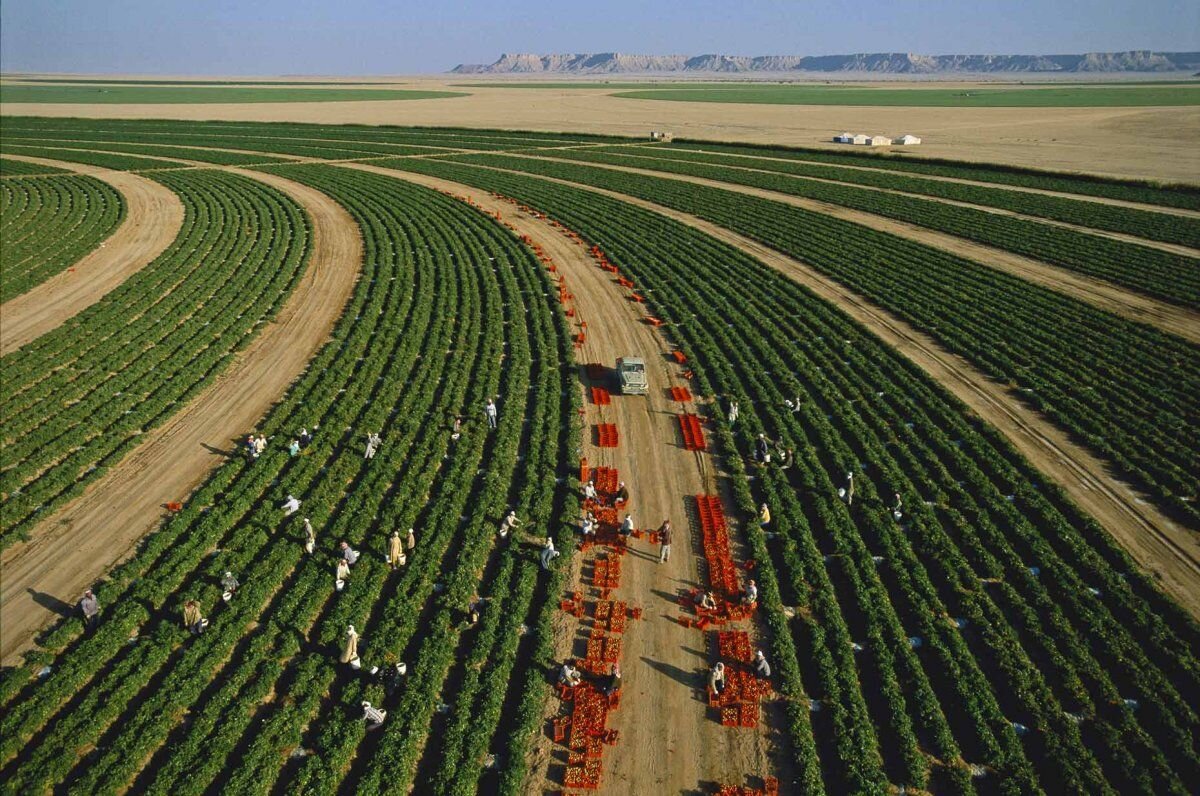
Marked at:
<point>106,160</point>
<point>999,648</point>
<point>19,168</point>
<point>1165,275</point>
<point>76,399</point>
<point>1144,192</point>
<point>434,326</point>
<point>49,223</point>
<point>1137,402</point>
<point>86,143</point>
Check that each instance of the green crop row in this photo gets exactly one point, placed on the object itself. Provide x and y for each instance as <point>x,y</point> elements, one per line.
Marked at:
<point>78,397</point>
<point>50,223</point>
<point>106,160</point>
<point>1145,192</point>
<point>429,286</point>
<point>1137,403</point>
<point>1046,653</point>
<point>1173,277</point>
<point>19,168</point>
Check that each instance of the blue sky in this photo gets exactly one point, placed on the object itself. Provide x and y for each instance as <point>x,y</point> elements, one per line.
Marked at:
<point>360,37</point>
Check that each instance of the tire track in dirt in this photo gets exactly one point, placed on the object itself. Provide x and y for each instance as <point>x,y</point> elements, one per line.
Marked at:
<point>153,218</point>
<point>1164,316</point>
<point>668,742</point>
<point>76,545</point>
<point>1157,543</point>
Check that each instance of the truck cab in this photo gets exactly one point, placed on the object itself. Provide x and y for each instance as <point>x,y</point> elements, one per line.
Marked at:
<point>631,374</point>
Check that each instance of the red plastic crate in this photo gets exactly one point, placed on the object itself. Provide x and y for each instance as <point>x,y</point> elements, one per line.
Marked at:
<point>693,432</point>
<point>681,394</point>
<point>601,396</point>
<point>606,435</point>
<point>679,356</point>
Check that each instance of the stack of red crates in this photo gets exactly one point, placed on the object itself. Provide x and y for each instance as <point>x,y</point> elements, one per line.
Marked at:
<point>606,434</point>
<point>693,432</point>
<point>714,534</point>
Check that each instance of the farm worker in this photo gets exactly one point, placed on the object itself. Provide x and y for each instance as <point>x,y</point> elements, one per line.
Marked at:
<point>193,620</point>
<point>509,523</point>
<point>764,515</point>
<point>664,540</point>
<point>229,583</point>
<point>733,412</point>
<point>761,666</point>
<point>310,537</point>
<point>849,489</point>
<point>349,554</point>
<point>457,427</point>
<point>343,570</point>
<point>490,412</point>
<point>252,447</point>
<point>589,491</point>
<point>613,684</point>
<point>291,505</point>
<point>622,495</point>
<point>395,553</point>
<point>373,442</point>
<point>786,459</point>
<point>896,508</point>
<point>627,525</point>
<point>411,541</point>
<point>708,601</point>
<point>761,450</point>
<point>89,606</point>
<point>589,525</point>
<point>294,448</point>
<point>304,437</point>
<point>373,716</point>
<point>716,678</point>
<point>473,609</point>
<point>350,645</point>
<point>260,444</point>
<point>569,675</point>
<point>548,553</point>
<point>750,595</point>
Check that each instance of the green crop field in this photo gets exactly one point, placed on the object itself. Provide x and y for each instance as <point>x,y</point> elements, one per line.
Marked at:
<point>960,623</point>
<point>1056,97</point>
<point>158,95</point>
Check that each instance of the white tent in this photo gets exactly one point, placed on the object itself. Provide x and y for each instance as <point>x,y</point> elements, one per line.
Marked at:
<point>907,140</point>
<point>844,138</point>
<point>861,139</point>
<point>879,140</point>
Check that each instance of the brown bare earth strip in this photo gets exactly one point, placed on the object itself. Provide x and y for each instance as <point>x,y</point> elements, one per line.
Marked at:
<point>77,544</point>
<point>1173,248</point>
<point>1102,200</point>
<point>1166,317</point>
<point>153,218</point>
<point>1160,545</point>
<point>669,742</point>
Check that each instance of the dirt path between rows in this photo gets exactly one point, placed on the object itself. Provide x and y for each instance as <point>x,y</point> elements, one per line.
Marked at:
<point>669,741</point>
<point>153,218</point>
<point>1167,317</point>
<point>79,543</point>
<point>1157,543</point>
<point>1102,200</point>
<point>1172,248</point>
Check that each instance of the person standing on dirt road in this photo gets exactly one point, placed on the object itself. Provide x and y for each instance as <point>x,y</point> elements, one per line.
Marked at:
<point>490,411</point>
<point>664,540</point>
<point>89,606</point>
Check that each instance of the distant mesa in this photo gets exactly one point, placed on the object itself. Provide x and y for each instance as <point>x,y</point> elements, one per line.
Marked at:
<point>890,63</point>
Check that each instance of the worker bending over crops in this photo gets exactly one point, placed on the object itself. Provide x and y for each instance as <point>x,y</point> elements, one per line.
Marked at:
<point>509,522</point>
<point>373,443</point>
<point>622,496</point>
<point>716,678</point>
<point>569,675</point>
<point>761,666</point>
<point>193,620</point>
<point>291,505</point>
<point>548,553</point>
<point>229,583</point>
<point>374,717</point>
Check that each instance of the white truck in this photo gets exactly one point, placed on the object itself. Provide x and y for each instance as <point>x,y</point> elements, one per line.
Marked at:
<point>631,373</point>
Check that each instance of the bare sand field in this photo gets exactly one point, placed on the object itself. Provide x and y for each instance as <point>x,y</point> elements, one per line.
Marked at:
<point>1125,142</point>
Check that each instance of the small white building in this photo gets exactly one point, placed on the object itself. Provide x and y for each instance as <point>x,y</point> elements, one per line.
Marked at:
<point>907,140</point>
<point>844,138</point>
<point>861,139</point>
<point>879,140</point>
<point>665,137</point>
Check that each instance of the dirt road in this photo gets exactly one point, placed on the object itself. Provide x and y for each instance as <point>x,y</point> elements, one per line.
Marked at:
<point>1160,545</point>
<point>76,545</point>
<point>669,742</point>
<point>1170,318</point>
<point>153,218</point>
